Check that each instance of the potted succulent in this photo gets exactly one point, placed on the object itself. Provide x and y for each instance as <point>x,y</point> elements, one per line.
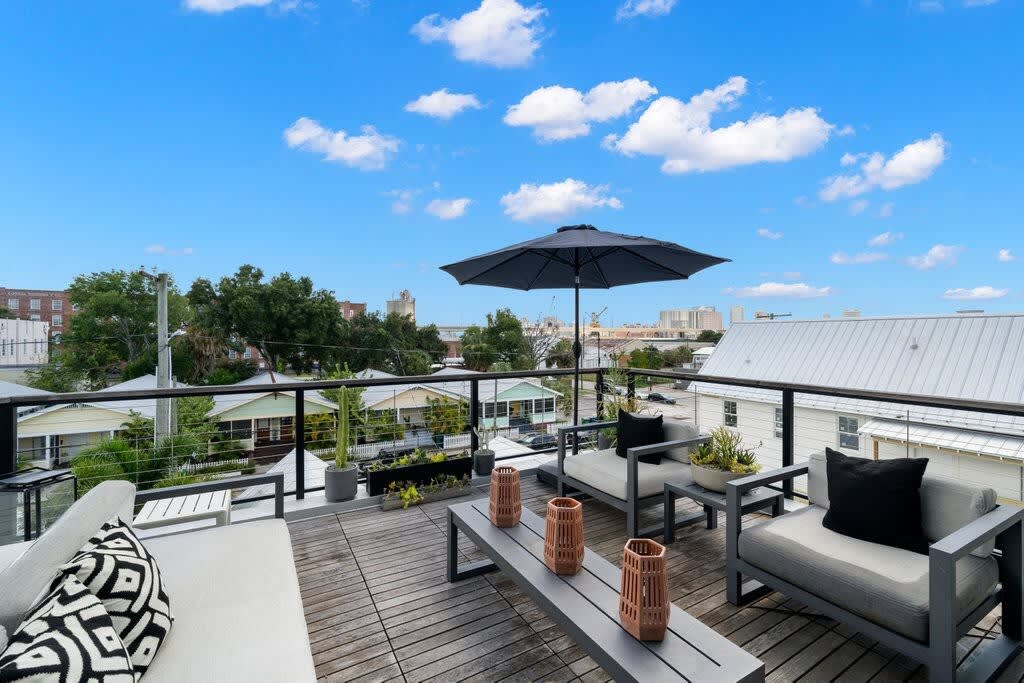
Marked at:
<point>483,459</point>
<point>721,459</point>
<point>341,478</point>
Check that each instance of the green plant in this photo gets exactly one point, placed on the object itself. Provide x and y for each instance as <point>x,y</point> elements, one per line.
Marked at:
<point>341,442</point>
<point>724,451</point>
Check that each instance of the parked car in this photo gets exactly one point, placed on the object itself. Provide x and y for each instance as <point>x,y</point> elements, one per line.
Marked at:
<point>610,388</point>
<point>539,442</point>
<point>655,397</point>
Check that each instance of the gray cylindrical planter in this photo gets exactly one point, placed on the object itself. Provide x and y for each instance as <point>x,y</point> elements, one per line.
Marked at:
<point>713,480</point>
<point>604,442</point>
<point>340,485</point>
<point>483,462</point>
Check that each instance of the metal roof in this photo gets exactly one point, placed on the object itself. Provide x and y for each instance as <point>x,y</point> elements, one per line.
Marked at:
<point>972,356</point>
<point>374,395</point>
<point>959,440</point>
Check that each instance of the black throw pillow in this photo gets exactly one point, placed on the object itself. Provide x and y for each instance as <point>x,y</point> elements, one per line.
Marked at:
<point>876,500</point>
<point>639,430</point>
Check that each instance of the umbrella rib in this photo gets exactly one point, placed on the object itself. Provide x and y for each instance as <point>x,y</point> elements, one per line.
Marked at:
<point>656,264</point>
<point>487,270</point>
<point>597,264</point>
<point>529,285</point>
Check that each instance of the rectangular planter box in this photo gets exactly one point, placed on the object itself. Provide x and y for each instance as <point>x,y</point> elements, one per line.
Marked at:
<point>396,502</point>
<point>377,482</point>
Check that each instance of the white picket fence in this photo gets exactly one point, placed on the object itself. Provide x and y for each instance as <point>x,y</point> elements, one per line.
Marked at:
<point>195,467</point>
<point>365,451</point>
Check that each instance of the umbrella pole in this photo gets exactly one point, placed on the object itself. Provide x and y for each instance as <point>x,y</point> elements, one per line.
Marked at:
<point>577,351</point>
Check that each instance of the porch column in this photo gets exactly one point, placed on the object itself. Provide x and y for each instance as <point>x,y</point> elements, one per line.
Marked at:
<point>47,453</point>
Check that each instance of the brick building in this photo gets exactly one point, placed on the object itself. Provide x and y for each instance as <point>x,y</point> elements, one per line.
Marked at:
<point>350,309</point>
<point>50,306</point>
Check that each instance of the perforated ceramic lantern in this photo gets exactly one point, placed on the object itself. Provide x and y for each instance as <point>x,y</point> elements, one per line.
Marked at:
<point>563,536</point>
<point>505,505</point>
<point>644,606</point>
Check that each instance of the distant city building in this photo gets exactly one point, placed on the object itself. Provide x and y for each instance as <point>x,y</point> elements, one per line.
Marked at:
<point>851,313</point>
<point>50,306</point>
<point>24,342</point>
<point>735,315</point>
<point>350,310</point>
<point>403,305</point>
<point>698,318</point>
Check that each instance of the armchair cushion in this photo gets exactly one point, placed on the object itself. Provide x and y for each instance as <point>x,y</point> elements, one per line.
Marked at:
<point>679,430</point>
<point>876,500</point>
<point>606,472</point>
<point>639,430</point>
<point>886,585</point>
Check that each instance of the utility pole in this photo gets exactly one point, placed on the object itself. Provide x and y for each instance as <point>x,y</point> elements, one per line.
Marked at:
<point>162,421</point>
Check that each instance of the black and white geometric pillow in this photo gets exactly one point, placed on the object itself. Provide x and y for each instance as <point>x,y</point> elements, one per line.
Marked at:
<point>118,569</point>
<point>68,636</point>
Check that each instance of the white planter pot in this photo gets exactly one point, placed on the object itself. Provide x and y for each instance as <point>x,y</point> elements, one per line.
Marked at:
<point>713,480</point>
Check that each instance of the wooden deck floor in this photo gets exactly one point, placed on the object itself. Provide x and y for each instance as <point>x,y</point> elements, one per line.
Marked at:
<point>379,608</point>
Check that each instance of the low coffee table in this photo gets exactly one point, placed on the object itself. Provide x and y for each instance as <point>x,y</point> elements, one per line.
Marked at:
<point>714,502</point>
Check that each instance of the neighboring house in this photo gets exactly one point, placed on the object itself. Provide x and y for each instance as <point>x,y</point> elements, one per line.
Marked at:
<point>701,356</point>
<point>56,433</point>
<point>24,343</point>
<point>50,306</point>
<point>519,402</point>
<point>263,421</point>
<point>974,356</point>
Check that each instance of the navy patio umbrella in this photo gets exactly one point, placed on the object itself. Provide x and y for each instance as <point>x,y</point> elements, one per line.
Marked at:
<point>581,257</point>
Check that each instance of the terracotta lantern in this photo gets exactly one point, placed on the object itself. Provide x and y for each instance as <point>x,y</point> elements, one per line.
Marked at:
<point>505,505</point>
<point>563,536</point>
<point>644,606</point>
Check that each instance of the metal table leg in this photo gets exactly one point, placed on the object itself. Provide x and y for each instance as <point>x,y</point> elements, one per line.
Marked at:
<point>39,512</point>
<point>669,534</point>
<point>27,506</point>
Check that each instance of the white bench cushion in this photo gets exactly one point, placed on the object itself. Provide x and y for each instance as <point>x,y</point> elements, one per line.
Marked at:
<point>606,471</point>
<point>886,585</point>
<point>237,609</point>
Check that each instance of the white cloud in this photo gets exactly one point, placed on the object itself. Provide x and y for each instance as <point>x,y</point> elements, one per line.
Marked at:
<point>846,130</point>
<point>979,3</point>
<point>795,290</point>
<point>644,8</point>
<point>768,234</point>
<point>1005,256</point>
<point>792,275</point>
<point>803,202</point>
<point>885,211</point>
<point>912,164</point>
<point>858,206</point>
<point>501,33</point>
<point>885,239</point>
<point>843,259</point>
<point>559,113</point>
<point>681,132</point>
<point>975,294</point>
<point>442,104</point>
<point>931,6</point>
<point>447,209</point>
<point>369,152</point>
<point>940,254</point>
<point>166,251</point>
<point>402,204</point>
<point>221,6</point>
<point>555,201</point>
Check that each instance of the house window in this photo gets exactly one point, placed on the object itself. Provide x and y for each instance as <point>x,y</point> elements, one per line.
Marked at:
<point>503,409</point>
<point>848,436</point>
<point>57,321</point>
<point>232,354</point>
<point>488,410</point>
<point>13,304</point>
<point>35,317</point>
<point>248,353</point>
<point>731,414</point>
<point>778,423</point>
<point>57,305</point>
<point>34,304</point>
<point>549,405</point>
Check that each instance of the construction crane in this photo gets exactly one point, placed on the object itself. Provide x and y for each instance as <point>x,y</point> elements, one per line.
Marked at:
<point>760,315</point>
<point>595,318</point>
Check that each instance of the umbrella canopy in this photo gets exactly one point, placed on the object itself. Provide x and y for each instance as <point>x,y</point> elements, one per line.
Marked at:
<point>581,257</point>
<point>602,260</point>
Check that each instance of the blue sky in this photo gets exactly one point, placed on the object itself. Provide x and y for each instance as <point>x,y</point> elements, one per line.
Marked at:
<point>198,135</point>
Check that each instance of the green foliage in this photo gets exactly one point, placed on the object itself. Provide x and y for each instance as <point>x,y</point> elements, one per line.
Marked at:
<point>6,313</point>
<point>417,457</point>
<point>560,355</point>
<point>563,385</point>
<point>709,336</point>
<point>178,479</point>
<point>109,459</point>
<point>678,356</point>
<point>410,494</point>
<point>320,431</point>
<point>391,343</point>
<point>382,425</point>
<point>724,451</point>
<point>502,339</point>
<point>649,358</point>
<point>444,416</point>
<point>138,431</point>
<point>54,376</point>
<point>192,416</point>
<point>231,372</point>
<point>285,318</point>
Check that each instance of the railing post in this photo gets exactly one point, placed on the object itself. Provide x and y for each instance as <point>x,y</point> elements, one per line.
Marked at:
<point>788,438</point>
<point>8,439</point>
<point>630,385</point>
<point>474,415</point>
<point>300,444</point>
<point>599,401</point>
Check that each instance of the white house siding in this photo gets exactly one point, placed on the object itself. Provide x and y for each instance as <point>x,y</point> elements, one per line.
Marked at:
<point>816,429</point>
<point>24,342</point>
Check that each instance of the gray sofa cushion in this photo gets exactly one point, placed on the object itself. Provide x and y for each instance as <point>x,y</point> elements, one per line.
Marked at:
<point>946,504</point>
<point>606,471</point>
<point>886,585</point>
<point>678,430</point>
<point>25,578</point>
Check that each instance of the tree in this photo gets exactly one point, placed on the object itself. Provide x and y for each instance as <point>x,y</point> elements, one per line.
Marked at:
<point>560,355</point>
<point>285,318</point>
<point>502,339</point>
<point>54,376</point>
<point>541,338</point>
<point>649,358</point>
<point>678,356</point>
<point>392,343</point>
<point>709,336</point>
<point>115,325</point>
<point>6,313</point>
<point>444,416</point>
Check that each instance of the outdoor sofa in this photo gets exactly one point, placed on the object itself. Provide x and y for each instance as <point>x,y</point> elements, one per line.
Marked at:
<point>919,605</point>
<point>233,590</point>
<point>626,483</point>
